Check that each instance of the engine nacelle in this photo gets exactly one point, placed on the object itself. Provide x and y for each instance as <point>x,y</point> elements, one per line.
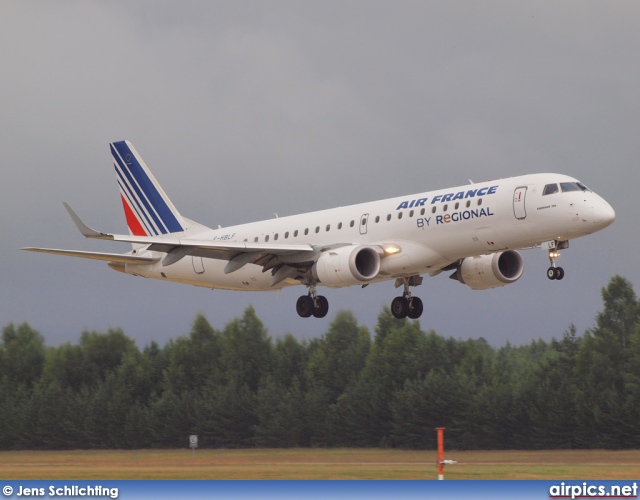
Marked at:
<point>352,265</point>
<point>490,271</point>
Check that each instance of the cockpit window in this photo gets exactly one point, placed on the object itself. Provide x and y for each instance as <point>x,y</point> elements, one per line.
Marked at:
<point>573,186</point>
<point>550,189</point>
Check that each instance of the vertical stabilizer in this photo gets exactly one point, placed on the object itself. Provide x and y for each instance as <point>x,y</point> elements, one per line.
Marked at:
<point>147,208</point>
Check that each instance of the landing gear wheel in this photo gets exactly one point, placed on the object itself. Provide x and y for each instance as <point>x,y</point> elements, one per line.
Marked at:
<point>415,308</point>
<point>304,306</point>
<point>555,273</point>
<point>399,307</point>
<point>322,307</point>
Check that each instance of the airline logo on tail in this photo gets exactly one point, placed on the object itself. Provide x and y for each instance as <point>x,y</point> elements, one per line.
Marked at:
<point>147,208</point>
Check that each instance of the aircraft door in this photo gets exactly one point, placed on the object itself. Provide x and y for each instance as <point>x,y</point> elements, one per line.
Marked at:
<point>364,220</point>
<point>519,209</point>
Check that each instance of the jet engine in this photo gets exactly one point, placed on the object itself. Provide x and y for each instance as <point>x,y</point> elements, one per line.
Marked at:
<point>490,271</point>
<point>344,266</point>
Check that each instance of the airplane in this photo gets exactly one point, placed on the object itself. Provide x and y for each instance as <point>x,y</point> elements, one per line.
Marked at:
<point>474,230</point>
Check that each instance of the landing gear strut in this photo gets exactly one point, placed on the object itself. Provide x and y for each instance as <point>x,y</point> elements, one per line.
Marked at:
<point>406,305</point>
<point>312,305</point>
<point>555,273</point>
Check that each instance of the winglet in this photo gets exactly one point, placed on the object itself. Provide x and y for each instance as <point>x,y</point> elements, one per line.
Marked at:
<point>86,231</point>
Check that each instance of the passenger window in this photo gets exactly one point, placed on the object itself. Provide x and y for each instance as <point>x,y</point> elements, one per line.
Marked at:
<point>411,213</point>
<point>306,231</point>
<point>328,227</point>
<point>468,203</point>
<point>550,189</point>
<point>351,224</point>
<point>399,215</point>
<point>422,212</point>
<point>286,235</point>
<point>388,217</point>
<point>275,236</point>
<point>295,233</point>
<point>457,205</point>
<point>266,238</point>
<point>444,208</point>
<point>377,219</point>
<point>479,201</point>
<point>340,225</point>
<point>256,240</point>
<point>317,229</point>
<point>433,210</point>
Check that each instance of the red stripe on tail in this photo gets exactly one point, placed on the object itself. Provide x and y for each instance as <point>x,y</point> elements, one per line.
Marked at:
<point>132,221</point>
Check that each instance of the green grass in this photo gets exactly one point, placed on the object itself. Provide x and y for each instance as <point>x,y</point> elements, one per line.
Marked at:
<point>317,464</point>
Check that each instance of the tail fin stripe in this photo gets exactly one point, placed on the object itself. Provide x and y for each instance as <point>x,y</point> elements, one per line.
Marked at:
<point>151,195</point>
<point>154,194</point>
<point>132,220</point>
<point>137,195</point>
<point>142,220</point>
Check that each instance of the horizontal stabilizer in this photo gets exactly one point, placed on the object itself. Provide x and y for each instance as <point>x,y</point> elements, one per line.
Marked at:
<point>109,257</point>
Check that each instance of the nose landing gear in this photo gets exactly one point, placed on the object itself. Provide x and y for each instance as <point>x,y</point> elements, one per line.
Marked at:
<point>556,273</point>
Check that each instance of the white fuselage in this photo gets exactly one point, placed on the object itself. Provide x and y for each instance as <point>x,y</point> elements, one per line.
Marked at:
<point>430,229</point>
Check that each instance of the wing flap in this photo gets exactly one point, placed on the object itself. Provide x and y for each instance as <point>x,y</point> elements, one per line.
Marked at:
<point>161,244</point>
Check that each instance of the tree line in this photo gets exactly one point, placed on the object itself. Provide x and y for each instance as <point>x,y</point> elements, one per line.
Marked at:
<point>237,387</point>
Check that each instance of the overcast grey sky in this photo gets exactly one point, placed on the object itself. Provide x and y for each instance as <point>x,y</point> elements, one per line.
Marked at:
<point>245,109</point>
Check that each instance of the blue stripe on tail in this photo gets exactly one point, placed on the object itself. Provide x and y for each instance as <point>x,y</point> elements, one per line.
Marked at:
<point>137,198</point>
<point>141,189</point>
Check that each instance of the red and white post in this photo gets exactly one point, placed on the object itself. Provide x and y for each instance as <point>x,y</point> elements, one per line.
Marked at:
<point>440,452</point>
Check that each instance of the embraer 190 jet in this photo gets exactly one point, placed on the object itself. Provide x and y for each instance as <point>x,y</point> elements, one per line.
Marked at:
<point>474,231</point>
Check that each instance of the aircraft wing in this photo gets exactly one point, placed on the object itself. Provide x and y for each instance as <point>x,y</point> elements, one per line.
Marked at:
<point>238,252</point>
<point>166,244</point>
<point>273,256</point>
<point>285,261</point>
<point>109,257</point>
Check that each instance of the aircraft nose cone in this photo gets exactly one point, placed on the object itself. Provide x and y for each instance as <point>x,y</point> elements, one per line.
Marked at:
<point>604,214</point>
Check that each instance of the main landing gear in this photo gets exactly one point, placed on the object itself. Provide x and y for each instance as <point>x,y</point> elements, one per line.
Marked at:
<point>312,305</point>
<point>407,306</point>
